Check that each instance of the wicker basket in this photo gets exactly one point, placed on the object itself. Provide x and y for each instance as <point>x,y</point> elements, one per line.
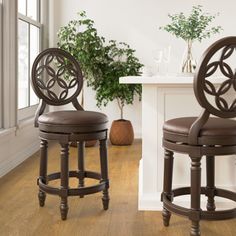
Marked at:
<point>121,132</point>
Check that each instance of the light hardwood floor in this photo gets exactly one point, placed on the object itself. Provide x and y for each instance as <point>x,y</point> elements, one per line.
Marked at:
<point>21,215</point>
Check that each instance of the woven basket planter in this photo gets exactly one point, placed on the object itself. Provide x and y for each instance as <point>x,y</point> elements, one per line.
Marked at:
<point>121,132</point>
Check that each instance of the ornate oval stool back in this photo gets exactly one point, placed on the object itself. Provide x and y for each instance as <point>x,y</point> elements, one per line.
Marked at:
<point>215,90</point>
<point>54,73</point>
<point>223,67</point>
<point>56,79</point>
<point>215,84</point>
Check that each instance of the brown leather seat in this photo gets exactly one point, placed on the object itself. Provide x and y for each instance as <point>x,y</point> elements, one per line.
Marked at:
<point>73,121</point>
<point>178,130</point>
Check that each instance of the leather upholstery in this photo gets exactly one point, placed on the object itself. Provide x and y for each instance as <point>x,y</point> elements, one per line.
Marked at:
<point>216,131</point>
<point>213,127</point>
<point>72,121</point>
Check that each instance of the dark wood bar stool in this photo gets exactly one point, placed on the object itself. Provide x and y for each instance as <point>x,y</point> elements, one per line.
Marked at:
<point>57,80</point>
<point>204,136</point>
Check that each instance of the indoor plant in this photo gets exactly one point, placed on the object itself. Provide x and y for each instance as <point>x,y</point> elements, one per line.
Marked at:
<point>121,62</point>
<point>191,28</point>
<point>102,64</point>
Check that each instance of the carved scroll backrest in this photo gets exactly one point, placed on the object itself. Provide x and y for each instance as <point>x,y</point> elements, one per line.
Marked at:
<point>56,77</point>
<point>218,64</point>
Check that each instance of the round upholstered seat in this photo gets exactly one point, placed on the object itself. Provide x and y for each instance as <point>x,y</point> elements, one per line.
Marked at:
<point>224,130</point>
<point>72,121</point>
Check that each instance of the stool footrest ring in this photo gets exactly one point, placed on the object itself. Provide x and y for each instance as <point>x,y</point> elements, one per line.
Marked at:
<point>73,191</point>
<point>204,215</point>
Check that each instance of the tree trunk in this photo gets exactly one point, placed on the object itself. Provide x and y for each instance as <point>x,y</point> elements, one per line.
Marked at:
<point>121,107</point>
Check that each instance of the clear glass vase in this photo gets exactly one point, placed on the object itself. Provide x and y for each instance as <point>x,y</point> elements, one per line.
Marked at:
<point>189,64</point>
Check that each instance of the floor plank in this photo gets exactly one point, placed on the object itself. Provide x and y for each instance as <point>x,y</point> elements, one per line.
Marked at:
<point>21,215</point>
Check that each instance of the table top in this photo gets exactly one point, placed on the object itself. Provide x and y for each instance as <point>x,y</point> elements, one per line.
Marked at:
<point>163,80</point>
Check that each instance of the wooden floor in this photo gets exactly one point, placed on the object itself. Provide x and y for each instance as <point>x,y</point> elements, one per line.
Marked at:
<point>21,215</point>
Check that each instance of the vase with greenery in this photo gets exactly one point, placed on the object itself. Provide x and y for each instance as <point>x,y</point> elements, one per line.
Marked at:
<point>102,63</point>
<point>191,28</point>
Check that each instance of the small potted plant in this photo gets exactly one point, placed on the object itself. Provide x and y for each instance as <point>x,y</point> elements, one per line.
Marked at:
<point>191,28</point>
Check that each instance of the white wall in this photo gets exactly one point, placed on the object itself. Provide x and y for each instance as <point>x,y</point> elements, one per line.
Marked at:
<point>17,144</point>
<point>137,22</point>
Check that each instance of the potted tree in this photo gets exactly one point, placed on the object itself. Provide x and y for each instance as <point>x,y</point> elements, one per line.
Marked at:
<point>121,61</point>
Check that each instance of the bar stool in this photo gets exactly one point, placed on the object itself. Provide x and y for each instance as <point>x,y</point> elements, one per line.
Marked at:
<point>57,80</point>
<point>204,136</point>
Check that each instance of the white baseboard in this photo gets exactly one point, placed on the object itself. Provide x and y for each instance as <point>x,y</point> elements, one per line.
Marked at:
<point>16,159</point>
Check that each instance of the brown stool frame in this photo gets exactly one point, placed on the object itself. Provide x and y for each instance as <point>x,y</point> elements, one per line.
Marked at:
<point>197,146</point>
<point>66,65</point>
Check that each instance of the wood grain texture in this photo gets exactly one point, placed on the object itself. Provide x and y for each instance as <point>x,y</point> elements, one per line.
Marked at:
<point>21,215</point>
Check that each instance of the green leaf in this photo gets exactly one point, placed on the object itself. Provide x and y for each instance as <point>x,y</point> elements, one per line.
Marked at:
<point>192,27</point>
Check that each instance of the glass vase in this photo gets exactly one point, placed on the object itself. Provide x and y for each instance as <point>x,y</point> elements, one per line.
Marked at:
<point>189,64</point>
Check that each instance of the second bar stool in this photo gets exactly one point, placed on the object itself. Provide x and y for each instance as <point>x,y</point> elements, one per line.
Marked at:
<point>57,80</point>
<point>204,136</point>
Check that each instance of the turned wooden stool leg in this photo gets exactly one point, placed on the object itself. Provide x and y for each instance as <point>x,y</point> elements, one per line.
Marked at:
<point>81,164</point>
<point>43,169</point>
<point>210,188</point>
<point>104,172</point>
<point>195,195</point>
<point>64,179</point>
<point>167,185</point>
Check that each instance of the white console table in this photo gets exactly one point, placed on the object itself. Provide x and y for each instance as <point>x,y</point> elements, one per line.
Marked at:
<point>163,98</point>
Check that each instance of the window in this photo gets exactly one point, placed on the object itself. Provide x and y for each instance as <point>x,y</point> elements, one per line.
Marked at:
<point>29,45</point>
